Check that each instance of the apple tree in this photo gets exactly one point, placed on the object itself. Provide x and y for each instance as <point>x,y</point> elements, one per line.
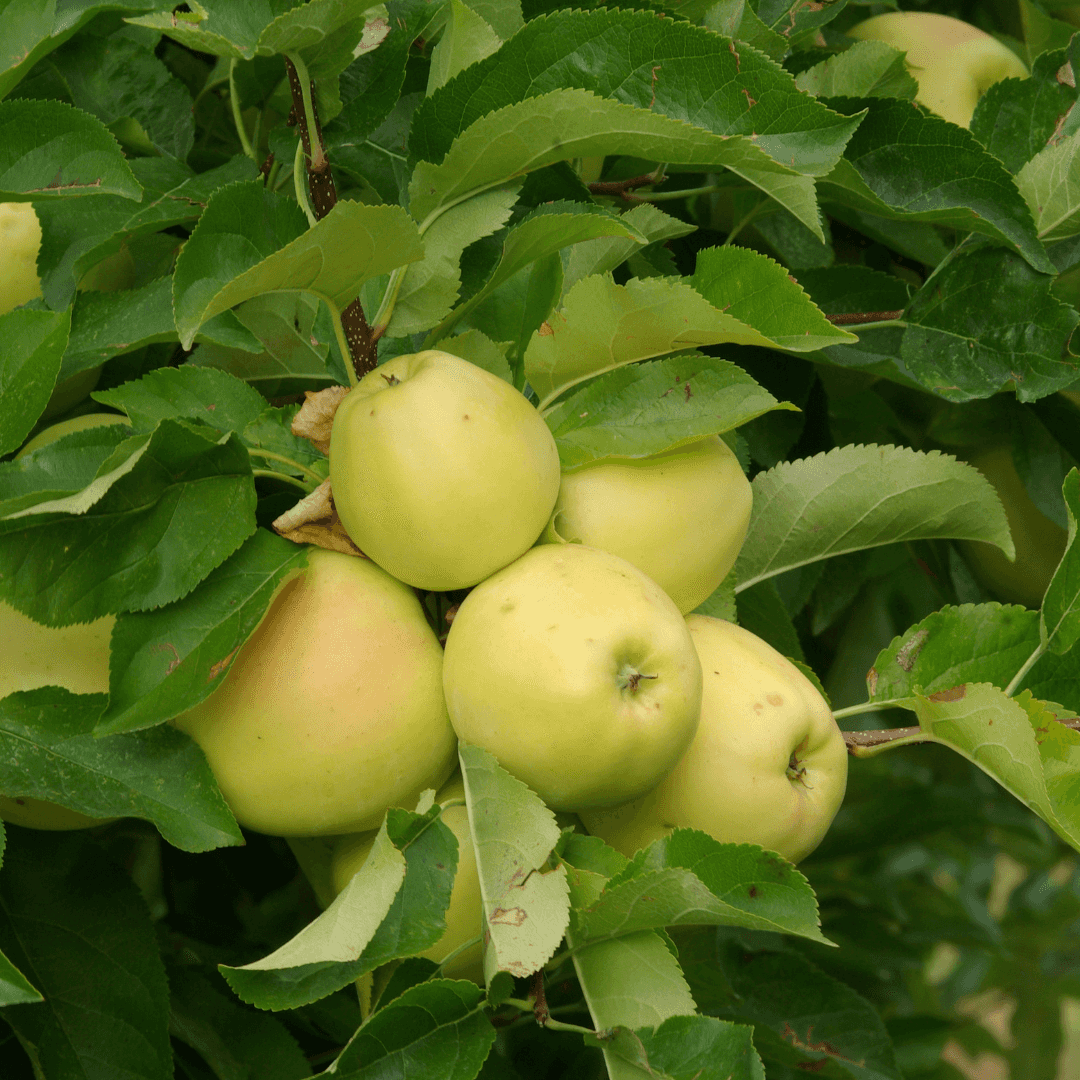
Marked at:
<point>829,251</point>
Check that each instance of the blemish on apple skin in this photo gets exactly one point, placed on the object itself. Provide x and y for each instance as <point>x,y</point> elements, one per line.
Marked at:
<point>465,417</point>
<point>775,699</point>
<point>758,707</point>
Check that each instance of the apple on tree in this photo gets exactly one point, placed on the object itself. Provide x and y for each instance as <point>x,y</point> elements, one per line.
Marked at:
<point>333,709</point>
<point>679,516</point>
<point>442,473</point>
<point>465,914</point>
<point>577,672</point>
<point>767,766</point>
<point>953,62</point>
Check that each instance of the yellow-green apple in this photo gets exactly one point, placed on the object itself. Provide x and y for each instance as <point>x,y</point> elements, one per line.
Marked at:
<point>332,710</point>
<point>441,472</point>
<point>953,62</point>
<point>20,239</point>
<point>465,915</point>
<point>577,672</point>
<point>768,765</point>
<point>1040,542</point>
<point>75,657</point>
<point>679,516</point>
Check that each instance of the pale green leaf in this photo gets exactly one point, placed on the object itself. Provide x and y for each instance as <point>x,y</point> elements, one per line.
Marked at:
<point>1060,618</point>
<point>867,69</point>
<point>526,904</point>
<point>856,497</point>
<point>34,343</point>
<point>480,350</point>
<point>1050,184</point>
<point>466,38</point>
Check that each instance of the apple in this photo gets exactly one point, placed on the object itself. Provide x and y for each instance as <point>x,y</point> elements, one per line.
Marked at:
<point>1040,542</point>
<point>577,672</point>
<point>465,915</point>
<point>332,710</point>
<point>20,239</point>
<point>768,765</point>
<point>441,472</point>
<point>679,516</point>
<point>954,62</point>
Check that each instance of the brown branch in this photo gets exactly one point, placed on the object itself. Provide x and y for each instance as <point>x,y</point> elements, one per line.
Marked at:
<point>622,188</point>
<point>853,318</point>
<point>358,334</point>
<point>539,999</point>
<point>266,166</point>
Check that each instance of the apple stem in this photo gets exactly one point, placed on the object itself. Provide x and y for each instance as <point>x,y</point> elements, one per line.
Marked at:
<point>630,677</point>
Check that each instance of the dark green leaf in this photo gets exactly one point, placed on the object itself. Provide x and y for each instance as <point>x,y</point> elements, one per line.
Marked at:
<point>51,753</point>
<point>1060,625</point>
<point>48,150</point>
<point>166,661</point>
<point>34,343</point>
<point>162,515</point>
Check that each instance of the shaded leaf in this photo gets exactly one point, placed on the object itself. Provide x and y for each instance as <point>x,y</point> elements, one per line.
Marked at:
<point>34,343</point>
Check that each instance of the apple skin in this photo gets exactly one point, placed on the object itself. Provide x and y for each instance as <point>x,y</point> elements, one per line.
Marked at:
<point>1040,542</point>
<point>332,710</point>
<point>441,472</point>
<point>20,239</point>
<point>680,516</point>
<point>736,782</point>
<point>577,672</point>
<point>75,657</point>
<point>465,915</point>
<point>954,62</point>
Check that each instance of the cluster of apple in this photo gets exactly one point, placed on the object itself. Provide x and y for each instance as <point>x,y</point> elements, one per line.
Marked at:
<point>573,663</point>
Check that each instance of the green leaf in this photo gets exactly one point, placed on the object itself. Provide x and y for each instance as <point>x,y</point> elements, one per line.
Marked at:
<point>761,611</point>
<point>687,1048</point>
<point>867,69</point>
<point>341,944</point>
<point>546,230</point>
<point>1050,183</point>
<point>437,1029</point>
<point>74,922</point>
<point>31,30</point>
<point>603,255</point>
<point>749,887</point>
<point>906,164</point>
<point>1016,118</point>
<point>1008,738</point>
<point>218,27</point>
<point>114,78</point>
<point>235,1042</point>
<point>858,497</point>
<point>526,906</point>
<point>14,988</point>
<point>976,643</point>
<point>164,662</point>
<point>250,241</point>
<point>987,321</point>
<point>161,776</point>
<point>737,19</point>
<point>104,325</point>
<point>480,350</point>
<point>652,406</point>
<point>568,123</point>
<point>803,1018</point>
<point>295,335</point>
<point>49,150</point>
<point>429,288</point>
<point>466,39</point>
<point>161,515</point>
<point>34,343</point>
<point>665,66</point>
<point>1060,617</point>
<point>77,235</point>
<point>602,326</point>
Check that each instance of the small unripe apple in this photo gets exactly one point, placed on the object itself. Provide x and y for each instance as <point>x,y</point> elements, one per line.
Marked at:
<point>74,657</point>
<point>680,516</point>
<point>953,62</point>
<point>768,765</point>
<point>465,915</point>
<point>1040,542</point>
<point>577,672</point>
<point>333,709</point>
<point>441,472</point>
